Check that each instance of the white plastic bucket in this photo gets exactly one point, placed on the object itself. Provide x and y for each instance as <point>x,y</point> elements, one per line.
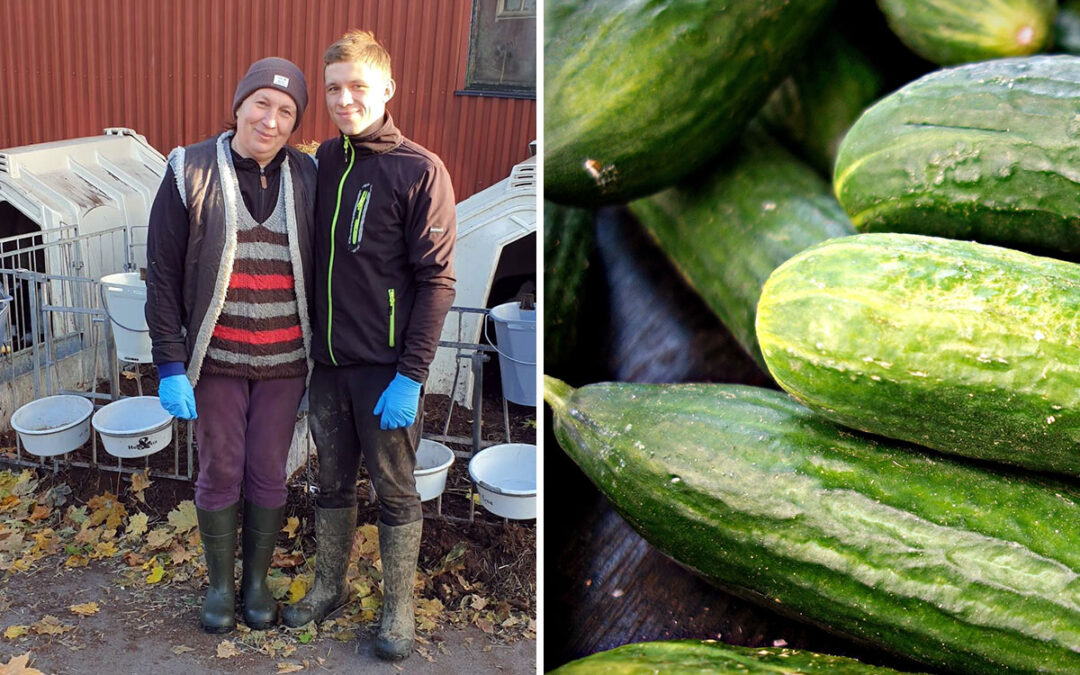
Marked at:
<point>133,427</point>
<point>515,329</point>
<point>505,477</point>
<point>433,462</point>
<point>53,425</point>
<point>123,296</point>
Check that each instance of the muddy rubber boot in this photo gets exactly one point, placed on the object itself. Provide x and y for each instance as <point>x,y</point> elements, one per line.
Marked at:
<point>261,526</point>
<point>334,529</point>
<point>399,546</point>
<point>218,532</point>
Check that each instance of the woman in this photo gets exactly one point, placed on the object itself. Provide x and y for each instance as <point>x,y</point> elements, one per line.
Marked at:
<point>229,268</point>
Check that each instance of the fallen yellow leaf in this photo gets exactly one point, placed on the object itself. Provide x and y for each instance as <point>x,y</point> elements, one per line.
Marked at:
<point>12,632</point>
<point>41,512</point>
<point>183,517</point>
<point>50,625</point>
<point>19,665</point>
<point>85,609</point>
<point>290,526</point>
<point>297,589</point>
<point>139,482</point>
<point>104,549</point>
<point>155,575</point>
<point>226,650</point>
<point>76,561</point>
<point>106,509</point>
<point>159,538</point>
<point>289,668</point>
<point>180,555</point>
<point>181,649</point>
<point>137,525</point>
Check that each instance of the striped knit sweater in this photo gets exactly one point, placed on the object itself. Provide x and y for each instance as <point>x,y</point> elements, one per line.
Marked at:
<point>258,334</point>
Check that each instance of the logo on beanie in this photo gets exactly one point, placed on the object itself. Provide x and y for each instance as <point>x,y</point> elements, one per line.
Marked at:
<point>281,81</point>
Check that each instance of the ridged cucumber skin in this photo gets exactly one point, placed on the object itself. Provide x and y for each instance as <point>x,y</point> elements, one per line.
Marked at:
<point>948,32</point>
<point>568,245</point>
<point>726,233</point>
<point>640,93</point>
<point>813,108</point>
<point>988,151</point>
<point>957,567</point>
<point>962,347</point>
<point>679,657</point>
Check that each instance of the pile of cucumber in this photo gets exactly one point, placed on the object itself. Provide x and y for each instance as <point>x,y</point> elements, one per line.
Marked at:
<point>896,247</point>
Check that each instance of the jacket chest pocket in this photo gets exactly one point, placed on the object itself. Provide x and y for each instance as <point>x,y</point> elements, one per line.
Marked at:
<point>359,215</point>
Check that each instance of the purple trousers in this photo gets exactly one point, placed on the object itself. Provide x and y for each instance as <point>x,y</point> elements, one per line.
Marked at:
<point>244,431</point>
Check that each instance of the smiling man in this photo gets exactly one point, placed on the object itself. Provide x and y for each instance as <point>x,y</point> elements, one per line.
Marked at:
<point>384,281</point>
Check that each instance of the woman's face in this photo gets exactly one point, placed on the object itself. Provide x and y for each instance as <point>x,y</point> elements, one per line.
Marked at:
<point>263,124</point>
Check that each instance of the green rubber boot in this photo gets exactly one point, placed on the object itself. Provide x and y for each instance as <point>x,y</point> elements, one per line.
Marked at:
<point>218,532</point>
<point>261,526</point>
<point>399,546</point>
<point>334,529</point>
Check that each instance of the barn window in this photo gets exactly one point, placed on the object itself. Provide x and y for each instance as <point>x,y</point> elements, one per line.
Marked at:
<point>502,49</point>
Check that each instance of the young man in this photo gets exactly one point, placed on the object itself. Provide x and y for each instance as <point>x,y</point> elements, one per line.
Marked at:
<point>384,281</point>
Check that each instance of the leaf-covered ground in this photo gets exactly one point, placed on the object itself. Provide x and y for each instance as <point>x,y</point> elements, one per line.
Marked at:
<point>478,574</point>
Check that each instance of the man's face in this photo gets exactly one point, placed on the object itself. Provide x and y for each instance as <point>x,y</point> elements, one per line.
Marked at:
<point>356,95</point>
<point>263,123</point>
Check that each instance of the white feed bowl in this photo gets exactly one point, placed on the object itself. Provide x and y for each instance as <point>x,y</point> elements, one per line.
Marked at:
<point>53,425</point>
<point>433,462</point>
<point>134,427</point>
<point>505,477</point>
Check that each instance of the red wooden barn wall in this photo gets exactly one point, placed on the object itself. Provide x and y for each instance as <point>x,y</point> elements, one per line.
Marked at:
<point>168,69</point>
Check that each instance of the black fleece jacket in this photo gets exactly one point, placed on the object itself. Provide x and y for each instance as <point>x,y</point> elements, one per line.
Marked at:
<point>385,229</point>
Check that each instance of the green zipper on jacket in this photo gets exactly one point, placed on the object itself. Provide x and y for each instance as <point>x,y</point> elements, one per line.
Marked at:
<point>330,271</point>
<point>393,311</point>
<point>361,206</point>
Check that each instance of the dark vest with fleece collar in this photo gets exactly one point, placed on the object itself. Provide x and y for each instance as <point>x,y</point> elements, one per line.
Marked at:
<point>207,186</point>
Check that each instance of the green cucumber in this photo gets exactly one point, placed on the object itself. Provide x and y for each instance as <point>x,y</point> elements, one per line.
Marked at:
<point>568,246</point>
<point>958,31</point>
<point>957,346</point>
<point>814,107</point>
<point>958,567</point>
<point>679,657</point>
<point>641,93</point>
<point>1067,27</point>
<point>988,151</point>
<point>726,234</point>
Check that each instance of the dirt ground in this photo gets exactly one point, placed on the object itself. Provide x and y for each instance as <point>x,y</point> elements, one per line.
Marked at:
<point>155,631</point>
<point>476,589</point>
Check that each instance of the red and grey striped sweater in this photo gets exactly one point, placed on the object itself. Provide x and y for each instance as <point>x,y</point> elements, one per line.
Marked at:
<point>258,334</point>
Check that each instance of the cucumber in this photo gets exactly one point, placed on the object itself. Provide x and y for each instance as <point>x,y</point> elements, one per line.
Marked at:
<point>640,93</point>
<point>1067,27</point>
<point>958,567</point>
<point>699,656</point>
<point>958,31</point>
<point>568,247</point>
<point>988,151</point>
<point>957,346</point>
<point>815,106</point>
<point>726,234</point>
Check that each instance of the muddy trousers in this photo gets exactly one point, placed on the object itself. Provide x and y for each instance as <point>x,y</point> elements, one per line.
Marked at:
<point>345,430</point>
<point>244,431</point>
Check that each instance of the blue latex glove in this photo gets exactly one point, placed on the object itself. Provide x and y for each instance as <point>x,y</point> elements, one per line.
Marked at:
<point>398,402</point>
<point>177,396</point>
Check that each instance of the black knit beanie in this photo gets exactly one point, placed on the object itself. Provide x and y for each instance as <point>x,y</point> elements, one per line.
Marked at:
<point>274,73</point>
